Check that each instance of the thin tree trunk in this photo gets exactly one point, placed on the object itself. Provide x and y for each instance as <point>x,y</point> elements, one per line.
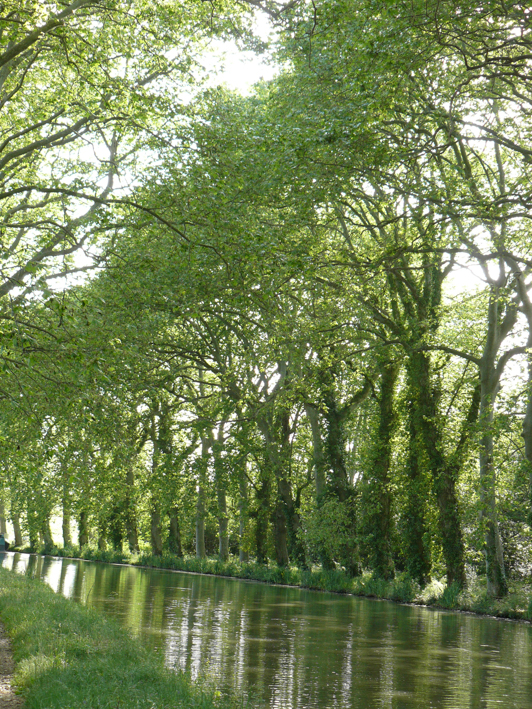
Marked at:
<point>15,519</point>
<point>280,534</point>
<point>320,463</point>
<point>3,527</point>
<point>490,372</point>
<point>206,443</point>
<point>129,511</point>
<point>262,519</point>
<point>174,533</point>
<point>243,554</point>
<point>155,530</point>
<point>493,549</point>
<point>223,519</point>
<point>67,535</point>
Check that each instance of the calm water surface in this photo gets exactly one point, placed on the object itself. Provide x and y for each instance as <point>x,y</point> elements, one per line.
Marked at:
<point>297,649</point>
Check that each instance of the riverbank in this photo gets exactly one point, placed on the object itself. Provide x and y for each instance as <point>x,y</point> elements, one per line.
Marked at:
<point>8,698</point>
<point>517,605</point>
<point>67,656</point>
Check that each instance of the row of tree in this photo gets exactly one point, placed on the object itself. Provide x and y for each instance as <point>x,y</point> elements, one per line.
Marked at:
<point>308,334</point>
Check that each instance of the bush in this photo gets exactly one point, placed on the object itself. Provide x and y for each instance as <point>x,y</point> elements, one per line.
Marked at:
<point>450,596</point>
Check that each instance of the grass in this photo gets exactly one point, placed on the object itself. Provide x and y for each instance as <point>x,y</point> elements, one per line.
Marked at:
<point>517,605</point>
<point>68,657</point>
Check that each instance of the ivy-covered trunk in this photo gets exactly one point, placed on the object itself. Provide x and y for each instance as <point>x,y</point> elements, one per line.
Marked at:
<point>493,549</point>
<point>47,533</point>
<point>320,474</point>
<point>320,463</point>
<point>262,519</point>
<point>338,483</point>
<point>378,496</point>
<point>286,522</point>
<point>444,476</point>
<point>155,529</point>
<point>243,554</point>
<point>83,528</point>
<point>502,315</point>
<point>174,533</point>
<point>114,527</point>
<point>527,428</point>
<point>414,523</point>
<point>130,519</point>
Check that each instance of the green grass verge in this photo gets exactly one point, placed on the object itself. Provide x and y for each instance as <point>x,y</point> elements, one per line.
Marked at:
<point>517,605</point>
<point>69,657</point>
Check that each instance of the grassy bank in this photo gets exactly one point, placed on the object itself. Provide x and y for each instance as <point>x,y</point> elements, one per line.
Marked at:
<point>517,605</point>
<point>68,657</point>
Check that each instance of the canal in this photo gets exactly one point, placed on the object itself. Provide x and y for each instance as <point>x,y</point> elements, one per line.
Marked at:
<point>297,649</point>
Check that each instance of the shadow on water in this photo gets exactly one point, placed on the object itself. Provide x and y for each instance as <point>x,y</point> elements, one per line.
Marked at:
<point>300,649</point>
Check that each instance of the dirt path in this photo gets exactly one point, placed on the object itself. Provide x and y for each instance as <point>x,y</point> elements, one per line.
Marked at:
<point>8,699</point>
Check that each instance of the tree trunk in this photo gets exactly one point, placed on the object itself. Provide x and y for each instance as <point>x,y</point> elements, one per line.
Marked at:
<point>280,535</point>
<point>15,519</point>
<point>275,429</point>
<point>262,520</point>
<point>174,533</point>
<point>223,519</point>
<point>415,531</point>
<point>67,534</point>
<point>129,511</point>
<point>3,527</point>
<point>47,533</point>
<point>243,554</point>
<point>155,530</point>
<point>490,372</point>
<point>293,522</point>
<point>379,495</point>
<point>526,305</point>
<point>83,529</point>
<point>223,523</point>
<point>206,443</point>
<point>493,550</point>
<point>33,527</point>
<point>320,474</point>
<point>444,476</point>
<point>320,463</point>
<point>339,484</point>
<point>527,425</point>
<point>116,530</point>
<point>102,540</point>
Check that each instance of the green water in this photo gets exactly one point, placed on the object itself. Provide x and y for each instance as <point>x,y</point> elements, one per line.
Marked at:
<point>299,649</point>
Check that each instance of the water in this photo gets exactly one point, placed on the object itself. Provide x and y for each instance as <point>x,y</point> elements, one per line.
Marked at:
<point>297,649</point>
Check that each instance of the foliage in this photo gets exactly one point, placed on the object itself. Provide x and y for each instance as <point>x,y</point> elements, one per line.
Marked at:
<point>278,354</point>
